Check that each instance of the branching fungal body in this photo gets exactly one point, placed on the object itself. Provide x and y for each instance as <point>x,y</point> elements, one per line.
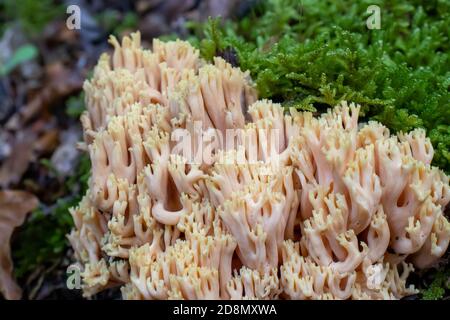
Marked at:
<point>278,205</point>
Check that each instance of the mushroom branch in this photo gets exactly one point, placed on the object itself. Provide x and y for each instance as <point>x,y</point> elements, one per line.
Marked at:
<point>200,191</point>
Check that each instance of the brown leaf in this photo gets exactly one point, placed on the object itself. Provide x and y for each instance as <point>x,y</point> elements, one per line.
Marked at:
<point>17,162</point>
<point>14,206</point>
<point>47,142</point>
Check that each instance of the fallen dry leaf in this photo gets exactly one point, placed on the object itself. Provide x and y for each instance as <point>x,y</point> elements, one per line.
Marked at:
<point>14,166</point>
<point>47,142</point>
<point>14,206</point>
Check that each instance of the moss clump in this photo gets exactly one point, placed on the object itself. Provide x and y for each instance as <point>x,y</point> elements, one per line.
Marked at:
<point>437,288</point>
<point>32,15</point>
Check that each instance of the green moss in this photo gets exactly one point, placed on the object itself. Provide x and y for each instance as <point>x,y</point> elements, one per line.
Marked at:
<point>437,288</point>
<point>32,15</point>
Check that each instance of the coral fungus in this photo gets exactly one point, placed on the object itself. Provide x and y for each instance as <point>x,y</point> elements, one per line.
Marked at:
<point>276,206</point>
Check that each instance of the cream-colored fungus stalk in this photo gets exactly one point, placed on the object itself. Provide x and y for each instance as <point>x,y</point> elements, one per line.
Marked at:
<point>200,191</point>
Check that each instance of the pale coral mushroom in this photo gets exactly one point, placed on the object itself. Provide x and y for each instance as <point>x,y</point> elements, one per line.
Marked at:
<point>199,191</point>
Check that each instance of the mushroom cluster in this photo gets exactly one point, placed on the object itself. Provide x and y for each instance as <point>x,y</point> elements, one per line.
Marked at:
<point>200,191</point>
